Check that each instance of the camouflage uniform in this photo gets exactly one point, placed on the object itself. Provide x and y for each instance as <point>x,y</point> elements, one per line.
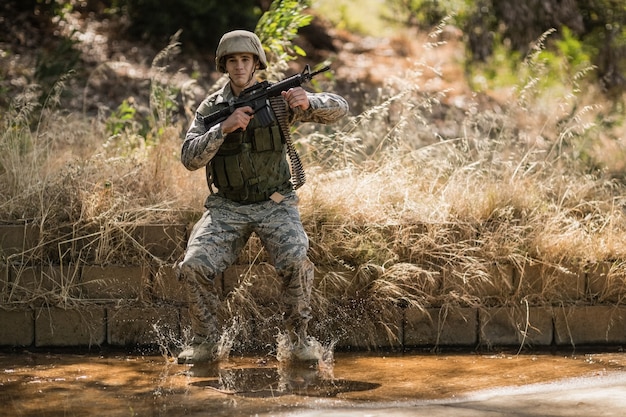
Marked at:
<point>225,227</point>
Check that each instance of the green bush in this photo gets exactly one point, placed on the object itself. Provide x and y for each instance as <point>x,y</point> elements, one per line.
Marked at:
<point>587,31</point>
<point>279,26</point>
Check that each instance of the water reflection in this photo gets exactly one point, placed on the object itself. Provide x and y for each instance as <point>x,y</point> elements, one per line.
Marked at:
<point>285,379</point>
<point>116,384</point>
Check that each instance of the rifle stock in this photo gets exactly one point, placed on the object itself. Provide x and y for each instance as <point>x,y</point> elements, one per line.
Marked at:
<point>256,96</point>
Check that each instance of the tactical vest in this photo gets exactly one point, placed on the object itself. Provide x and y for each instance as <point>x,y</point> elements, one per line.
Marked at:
<point>251,165</point>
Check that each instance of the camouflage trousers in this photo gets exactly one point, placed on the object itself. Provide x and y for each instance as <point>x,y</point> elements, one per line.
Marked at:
<point>215,243</point>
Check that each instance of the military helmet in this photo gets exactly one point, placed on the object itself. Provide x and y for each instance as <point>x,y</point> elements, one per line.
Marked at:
<point>238,42</point>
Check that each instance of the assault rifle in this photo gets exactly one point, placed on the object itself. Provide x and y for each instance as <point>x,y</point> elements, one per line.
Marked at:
<point>257,97</point>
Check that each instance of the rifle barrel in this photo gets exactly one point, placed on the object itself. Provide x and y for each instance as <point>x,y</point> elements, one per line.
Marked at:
<point>258,91</point>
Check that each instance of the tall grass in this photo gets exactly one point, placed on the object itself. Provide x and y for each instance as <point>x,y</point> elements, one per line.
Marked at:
<point>442,208</point>
<point>416,202</point>
<point>86,188</point>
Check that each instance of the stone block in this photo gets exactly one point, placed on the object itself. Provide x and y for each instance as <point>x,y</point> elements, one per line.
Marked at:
<point>132,326</point>
<point>340,281</point>
<point>166,242</point>
<point>590,325</point>
<point>404,275</point>
<point>166,286</point>
<point>361,325</point>
<point>495,281</point>
<point>77,243</point>
<point>28,282</point>
<point>566,283</point>
<point>606,282</point>
<point>17,240</point>
<point>558,284</point>
<point>252,334</point>
<point>113,282</point>
<point>38,283</point>
<point>253,252</point>
<point>85,326</point>
<point>516,327</point>
<point>4,283</point>
<point>247,333</point>
<point>440,327</point>
<point>260,281</point>
<point>185,323</point>
<point>17,327</point>
<point>232,278</point>
<point>528,281</point>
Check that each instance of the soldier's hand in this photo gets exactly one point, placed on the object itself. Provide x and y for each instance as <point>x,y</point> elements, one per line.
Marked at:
<point>239,119</point>
<point>296,97</point>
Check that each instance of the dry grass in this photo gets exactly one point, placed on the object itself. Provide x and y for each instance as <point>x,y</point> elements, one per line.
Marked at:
<point>415,202</point>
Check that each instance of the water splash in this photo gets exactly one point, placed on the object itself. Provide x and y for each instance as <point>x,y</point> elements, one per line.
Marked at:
<point>324,354</point>
<point>227,338</point>
<point>167,341</point>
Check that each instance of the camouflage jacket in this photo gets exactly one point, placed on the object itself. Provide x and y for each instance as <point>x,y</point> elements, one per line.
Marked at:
<point>201,145</point>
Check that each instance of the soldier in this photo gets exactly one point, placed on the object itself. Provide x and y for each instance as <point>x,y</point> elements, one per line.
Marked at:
<point>251,191</point>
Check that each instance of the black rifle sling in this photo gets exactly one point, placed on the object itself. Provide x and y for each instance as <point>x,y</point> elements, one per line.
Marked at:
<point>279,106</point>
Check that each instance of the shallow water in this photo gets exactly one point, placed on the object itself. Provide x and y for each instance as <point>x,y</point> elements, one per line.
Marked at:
<point>120,384</point>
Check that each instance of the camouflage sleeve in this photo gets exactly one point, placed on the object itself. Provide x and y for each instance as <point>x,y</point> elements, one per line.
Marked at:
<point>200,144</point>
<point>325,108</point>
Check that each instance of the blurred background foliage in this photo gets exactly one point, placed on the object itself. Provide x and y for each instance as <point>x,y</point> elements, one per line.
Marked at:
<point>586,32</point>
<point>155,21</point>
<point>584,29</point>
<point>203,22</point>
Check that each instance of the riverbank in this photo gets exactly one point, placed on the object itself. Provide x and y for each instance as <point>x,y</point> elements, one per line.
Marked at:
<point>83,304</point>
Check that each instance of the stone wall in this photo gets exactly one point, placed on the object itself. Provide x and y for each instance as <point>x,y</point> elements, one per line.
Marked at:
<point>133,305</point>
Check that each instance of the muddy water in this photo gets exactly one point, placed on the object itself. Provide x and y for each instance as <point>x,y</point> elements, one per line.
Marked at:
<point>117,384</point>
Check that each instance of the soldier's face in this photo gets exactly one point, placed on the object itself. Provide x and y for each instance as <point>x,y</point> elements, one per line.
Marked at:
<point>240,67</point>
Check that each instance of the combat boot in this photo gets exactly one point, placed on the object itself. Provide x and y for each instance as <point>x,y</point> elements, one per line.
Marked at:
<point>304,348</point>
<point>307,351</point>
<point>199,351</point>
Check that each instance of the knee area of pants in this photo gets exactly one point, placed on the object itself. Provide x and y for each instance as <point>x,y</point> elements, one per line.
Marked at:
<point>189,269</point>
<point>298,265</point>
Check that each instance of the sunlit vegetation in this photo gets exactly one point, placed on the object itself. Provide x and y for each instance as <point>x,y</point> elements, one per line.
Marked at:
<point>420,200</point>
